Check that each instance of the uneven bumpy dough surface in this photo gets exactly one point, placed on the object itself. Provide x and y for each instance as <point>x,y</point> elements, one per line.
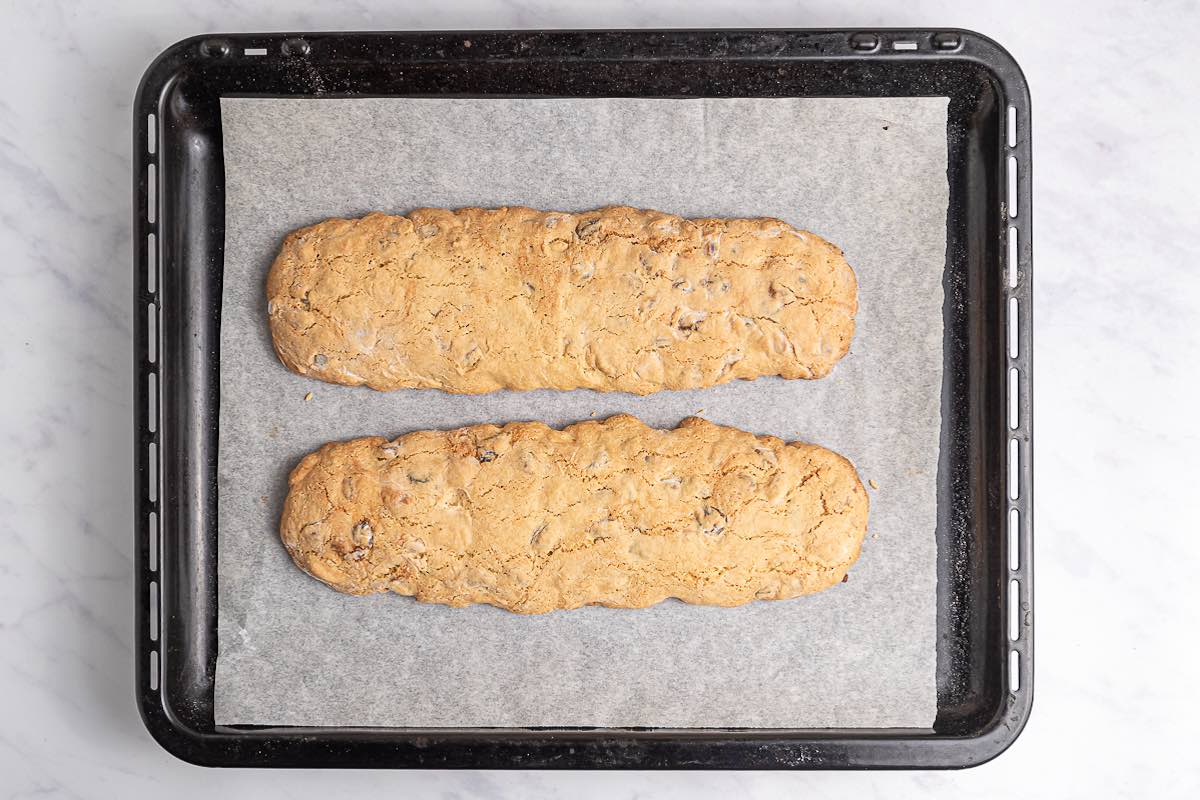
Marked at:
<point>613,513</point>
<point>618,299</point>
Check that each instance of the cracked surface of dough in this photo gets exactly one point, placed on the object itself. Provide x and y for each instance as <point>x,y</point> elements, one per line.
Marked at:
<point>617,299</point>
<point>613,512</point>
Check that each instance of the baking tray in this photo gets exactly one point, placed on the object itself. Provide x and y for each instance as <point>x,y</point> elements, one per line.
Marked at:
<point>984,532</point>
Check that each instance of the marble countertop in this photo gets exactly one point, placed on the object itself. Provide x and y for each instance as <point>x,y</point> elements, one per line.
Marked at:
<point>1118,442</point>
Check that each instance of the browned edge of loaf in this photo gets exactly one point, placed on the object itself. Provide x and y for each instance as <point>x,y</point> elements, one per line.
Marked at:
<point>667,303</point>
<point>369,515</point>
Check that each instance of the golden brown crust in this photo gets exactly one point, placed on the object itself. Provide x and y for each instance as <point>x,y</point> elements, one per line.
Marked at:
<point>618,299</point>
<point>615,513</point>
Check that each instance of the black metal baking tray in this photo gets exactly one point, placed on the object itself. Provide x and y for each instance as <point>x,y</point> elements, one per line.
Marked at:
<point>985,593</point>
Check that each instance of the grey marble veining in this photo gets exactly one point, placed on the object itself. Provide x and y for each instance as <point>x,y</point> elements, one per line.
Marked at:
<point>1118,443</point>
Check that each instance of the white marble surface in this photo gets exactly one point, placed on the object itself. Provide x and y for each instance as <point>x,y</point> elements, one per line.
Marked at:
<point>1118,442</point>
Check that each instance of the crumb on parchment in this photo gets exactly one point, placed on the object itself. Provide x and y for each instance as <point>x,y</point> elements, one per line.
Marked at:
<point>873,484</point>
<point>308,397</point>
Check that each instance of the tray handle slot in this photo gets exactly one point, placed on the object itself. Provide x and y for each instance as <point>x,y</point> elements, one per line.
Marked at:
<point>1013,272</point>
<point>1014,405</point>
<point>152,552</point>
<point>151,263</point>
<point>1011,193</point>
<point>1014,539</point>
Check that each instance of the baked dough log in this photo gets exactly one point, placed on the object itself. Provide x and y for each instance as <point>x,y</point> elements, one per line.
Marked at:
<point>618,299</point>
<point>612,513</point>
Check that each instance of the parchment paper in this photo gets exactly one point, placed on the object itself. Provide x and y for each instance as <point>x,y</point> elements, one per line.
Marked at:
<point>868,174</point>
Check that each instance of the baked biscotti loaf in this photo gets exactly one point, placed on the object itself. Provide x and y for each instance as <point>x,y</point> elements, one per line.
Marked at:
<point>618,299</point>
<point>614,513</point>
